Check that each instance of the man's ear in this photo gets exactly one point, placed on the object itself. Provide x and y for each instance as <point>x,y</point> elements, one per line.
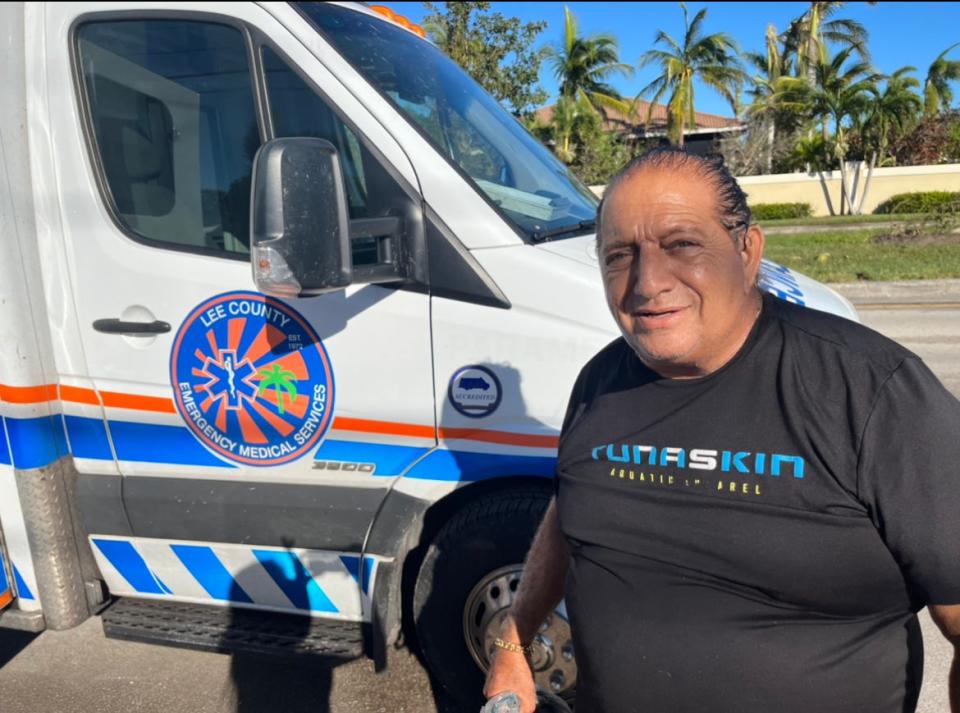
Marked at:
<point>751,252</point>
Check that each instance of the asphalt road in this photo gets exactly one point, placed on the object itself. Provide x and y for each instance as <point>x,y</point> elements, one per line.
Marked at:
<point>80,671</point>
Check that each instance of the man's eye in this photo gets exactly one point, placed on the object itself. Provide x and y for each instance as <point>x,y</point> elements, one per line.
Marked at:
<point>618,257</point>
<point>682,244</point>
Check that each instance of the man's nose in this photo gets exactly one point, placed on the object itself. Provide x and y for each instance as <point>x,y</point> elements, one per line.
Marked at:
<point>652,273</point>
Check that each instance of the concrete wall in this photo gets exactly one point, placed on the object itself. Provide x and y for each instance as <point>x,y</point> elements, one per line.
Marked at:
<point>813,188</point>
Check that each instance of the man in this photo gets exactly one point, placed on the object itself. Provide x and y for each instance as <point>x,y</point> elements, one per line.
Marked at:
<point>753,498</point>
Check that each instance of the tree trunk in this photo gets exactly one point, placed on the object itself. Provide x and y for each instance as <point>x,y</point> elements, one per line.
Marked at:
<point>843,184</point>
<point>866,184</point>
<point>771,135</point>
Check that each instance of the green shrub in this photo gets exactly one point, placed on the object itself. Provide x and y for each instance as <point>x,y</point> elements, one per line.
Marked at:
<point>780,211</point>
<point>923,202</point>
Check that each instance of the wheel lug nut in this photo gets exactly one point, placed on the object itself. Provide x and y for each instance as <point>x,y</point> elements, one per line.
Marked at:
<point>567,652</point>
<point>557,680</point>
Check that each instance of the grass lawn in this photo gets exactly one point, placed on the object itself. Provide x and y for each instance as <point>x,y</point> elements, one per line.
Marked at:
<point>841,220</point>
<point>850,255</point>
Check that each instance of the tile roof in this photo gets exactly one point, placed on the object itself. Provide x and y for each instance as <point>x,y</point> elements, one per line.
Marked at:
<point>658,119</point>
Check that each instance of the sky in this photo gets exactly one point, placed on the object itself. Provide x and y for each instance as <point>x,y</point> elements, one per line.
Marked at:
<point>900,33</point>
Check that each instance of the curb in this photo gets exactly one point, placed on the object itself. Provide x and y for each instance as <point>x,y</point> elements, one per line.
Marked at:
<point>902,294</point>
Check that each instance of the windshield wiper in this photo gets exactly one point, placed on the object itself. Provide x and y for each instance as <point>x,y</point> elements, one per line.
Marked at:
<point>541,236</point>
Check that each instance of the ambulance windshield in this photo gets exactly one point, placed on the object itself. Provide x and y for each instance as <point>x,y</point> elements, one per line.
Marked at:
<point>516,173</point>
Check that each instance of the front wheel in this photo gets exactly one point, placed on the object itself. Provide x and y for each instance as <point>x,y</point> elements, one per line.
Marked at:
<point>466,585</point>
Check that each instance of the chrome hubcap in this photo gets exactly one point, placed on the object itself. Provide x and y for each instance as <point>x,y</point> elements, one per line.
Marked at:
<point>552,659</point>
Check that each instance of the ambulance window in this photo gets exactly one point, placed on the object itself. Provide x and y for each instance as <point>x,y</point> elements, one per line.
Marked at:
<point>172,112</point>
<point>298,110</point>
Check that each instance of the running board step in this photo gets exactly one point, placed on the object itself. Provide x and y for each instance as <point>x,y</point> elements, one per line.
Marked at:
<point>231,630</point>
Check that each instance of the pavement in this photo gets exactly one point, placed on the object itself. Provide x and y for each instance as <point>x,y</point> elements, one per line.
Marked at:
<point>903,292</point>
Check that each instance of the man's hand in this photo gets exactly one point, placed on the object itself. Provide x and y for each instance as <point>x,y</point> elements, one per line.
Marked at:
<point>540,590</point>
<point>510,671</point>
<point>947,617</point>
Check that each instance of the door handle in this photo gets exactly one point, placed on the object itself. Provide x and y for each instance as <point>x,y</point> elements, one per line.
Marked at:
<point>132,329</point>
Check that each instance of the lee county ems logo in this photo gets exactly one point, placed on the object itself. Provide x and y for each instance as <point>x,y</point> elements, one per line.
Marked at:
<point>474,391</point>
<point>252,379</point>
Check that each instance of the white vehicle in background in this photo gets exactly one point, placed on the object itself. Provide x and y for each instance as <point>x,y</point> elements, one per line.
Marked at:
<point>354,437</point>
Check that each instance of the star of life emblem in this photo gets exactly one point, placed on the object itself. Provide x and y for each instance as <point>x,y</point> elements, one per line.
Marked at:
<point>252,379</point>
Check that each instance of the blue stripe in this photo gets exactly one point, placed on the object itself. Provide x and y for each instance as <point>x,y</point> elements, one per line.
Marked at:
<point>153,443</point>
<point>368,565</point>
<point>88,438</point>
<point>209,571</point>
<point>352,563</point>
<point>128,562</point>
<point>464,466</point>
<point>36,442</point>
<point>23,591</point>
<point>295,581</point>
<point>387,459</point>
<point>4,451</point>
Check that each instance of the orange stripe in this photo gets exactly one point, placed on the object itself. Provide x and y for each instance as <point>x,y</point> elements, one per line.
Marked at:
<point>234,332</point>
<point>222,416</point>
<point>28,394</point>
<point>268,339</point>
<point>293,362</point>
<point>298,408</point>
<point>157,404</point>
<point>212,341</point>
<point>467,434</point>
<point>394,429</point>
<point>503,437</point>
<point>77,395</point>
<point>38,394</point>
<point>248,427</point>
<point>5,598</point>
<point>281,426</point>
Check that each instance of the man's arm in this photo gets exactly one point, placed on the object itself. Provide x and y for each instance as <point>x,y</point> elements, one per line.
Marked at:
<point>947,617</point>
<point>541,589</point>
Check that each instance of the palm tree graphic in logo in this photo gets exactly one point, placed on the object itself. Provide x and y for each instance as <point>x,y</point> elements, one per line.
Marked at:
<point>282,381</point>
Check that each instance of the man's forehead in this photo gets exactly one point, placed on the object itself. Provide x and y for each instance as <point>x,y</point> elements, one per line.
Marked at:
<point>655,201</point>
<point>650,186</point>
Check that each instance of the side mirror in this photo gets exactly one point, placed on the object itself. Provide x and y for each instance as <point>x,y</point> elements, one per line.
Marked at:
<point>300,227</point>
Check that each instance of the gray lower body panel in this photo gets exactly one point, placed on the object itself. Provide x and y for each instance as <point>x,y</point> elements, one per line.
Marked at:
<point>269,514</point>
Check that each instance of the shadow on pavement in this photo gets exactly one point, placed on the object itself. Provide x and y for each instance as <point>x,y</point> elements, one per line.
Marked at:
<point>12,643</point>
<point>272,667</point>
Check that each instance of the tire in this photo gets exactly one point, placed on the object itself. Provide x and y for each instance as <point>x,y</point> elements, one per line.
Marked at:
<point>480,550</point>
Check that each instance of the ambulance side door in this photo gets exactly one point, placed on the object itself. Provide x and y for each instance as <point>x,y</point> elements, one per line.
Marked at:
<point>232,417</point>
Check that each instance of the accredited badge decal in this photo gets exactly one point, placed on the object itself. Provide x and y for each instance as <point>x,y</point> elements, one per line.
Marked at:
<point>474,391</point>
<point>252,379</point>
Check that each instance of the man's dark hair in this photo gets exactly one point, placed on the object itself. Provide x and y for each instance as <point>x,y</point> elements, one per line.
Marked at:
<point>731,200</point>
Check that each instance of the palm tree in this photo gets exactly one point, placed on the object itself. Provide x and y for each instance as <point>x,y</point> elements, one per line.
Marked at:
<point>937,95</point>
<point>568,115</point>
<point>282,381</point>
<point>805,40</point>
<point>770,68</point>
<point>837,92</point>
<point>710,58</point>
<point>893,110</point>
<point>583,65</point>
<point>840,91</point>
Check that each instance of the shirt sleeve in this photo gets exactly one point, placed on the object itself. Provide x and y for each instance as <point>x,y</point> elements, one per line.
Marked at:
<point>909,477</point>
<point>574,409</point>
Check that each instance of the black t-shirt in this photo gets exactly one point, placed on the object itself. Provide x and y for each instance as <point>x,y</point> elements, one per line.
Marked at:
<point>759,539</point>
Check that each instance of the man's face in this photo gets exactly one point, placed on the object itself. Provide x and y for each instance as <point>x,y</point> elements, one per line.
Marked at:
<point>681,289</point>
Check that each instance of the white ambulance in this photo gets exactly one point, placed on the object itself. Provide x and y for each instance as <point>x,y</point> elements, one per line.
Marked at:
<point>289,313</point>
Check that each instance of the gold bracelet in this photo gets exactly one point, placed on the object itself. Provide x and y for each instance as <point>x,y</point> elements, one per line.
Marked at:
<point>510,646</point>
